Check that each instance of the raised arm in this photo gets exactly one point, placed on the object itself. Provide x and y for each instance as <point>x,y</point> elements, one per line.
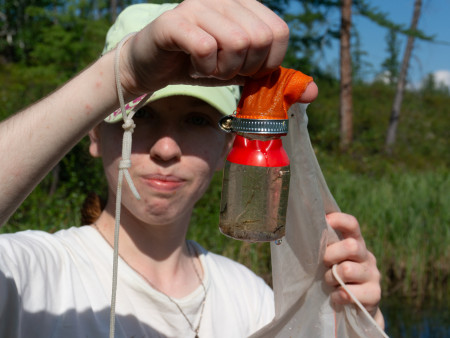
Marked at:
<point>34,140</point>
<point>198,42</point>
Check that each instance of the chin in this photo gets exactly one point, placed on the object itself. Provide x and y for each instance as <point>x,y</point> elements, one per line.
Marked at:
<point>163,214</point>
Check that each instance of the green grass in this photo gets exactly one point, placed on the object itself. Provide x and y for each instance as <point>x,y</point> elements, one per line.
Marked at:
<point>404,217</point>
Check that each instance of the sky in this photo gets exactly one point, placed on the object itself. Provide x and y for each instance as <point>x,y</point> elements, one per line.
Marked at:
<point>427,57</point>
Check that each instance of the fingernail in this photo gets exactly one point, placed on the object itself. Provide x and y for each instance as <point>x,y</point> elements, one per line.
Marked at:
<point>197,75</point>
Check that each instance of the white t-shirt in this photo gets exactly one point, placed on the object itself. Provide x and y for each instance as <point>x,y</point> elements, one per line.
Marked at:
<point>60,286</point>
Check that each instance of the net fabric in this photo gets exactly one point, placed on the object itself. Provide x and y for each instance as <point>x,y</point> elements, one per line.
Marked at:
<point>302,302</point>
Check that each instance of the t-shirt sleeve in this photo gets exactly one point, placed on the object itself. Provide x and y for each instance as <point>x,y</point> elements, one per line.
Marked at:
<point>27,260</point>
<point>10,280</point>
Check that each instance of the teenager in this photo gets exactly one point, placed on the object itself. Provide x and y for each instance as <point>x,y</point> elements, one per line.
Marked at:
<point>60,285</point>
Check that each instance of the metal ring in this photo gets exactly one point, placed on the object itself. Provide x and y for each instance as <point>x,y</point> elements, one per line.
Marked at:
<point>232,123</point>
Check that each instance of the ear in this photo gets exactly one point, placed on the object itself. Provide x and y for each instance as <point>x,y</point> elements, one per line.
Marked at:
<point>95,148</point>
<point>226,149</point>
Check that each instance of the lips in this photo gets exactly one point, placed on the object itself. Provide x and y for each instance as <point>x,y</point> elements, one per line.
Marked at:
<point>164,183</point>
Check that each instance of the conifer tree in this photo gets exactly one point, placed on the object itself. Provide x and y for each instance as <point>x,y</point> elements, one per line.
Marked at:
<point>396,106</point>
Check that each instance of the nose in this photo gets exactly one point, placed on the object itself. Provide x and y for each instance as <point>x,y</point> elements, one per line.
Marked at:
<point>166,148</point>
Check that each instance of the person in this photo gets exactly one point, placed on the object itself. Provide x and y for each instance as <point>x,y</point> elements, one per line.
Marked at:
<point>59,284</point>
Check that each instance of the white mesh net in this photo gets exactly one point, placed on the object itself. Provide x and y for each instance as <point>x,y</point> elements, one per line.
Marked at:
<point>302,302</point>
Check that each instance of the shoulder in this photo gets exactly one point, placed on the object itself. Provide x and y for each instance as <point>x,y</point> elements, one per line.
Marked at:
<point>35,240</point>
<point>33,249</point>
<point>27,243</point>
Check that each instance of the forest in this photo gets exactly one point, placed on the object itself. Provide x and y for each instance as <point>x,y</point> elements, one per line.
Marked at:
<point>397,186</point>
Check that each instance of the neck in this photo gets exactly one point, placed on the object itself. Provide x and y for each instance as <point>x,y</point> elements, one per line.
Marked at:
<point>157,252</point>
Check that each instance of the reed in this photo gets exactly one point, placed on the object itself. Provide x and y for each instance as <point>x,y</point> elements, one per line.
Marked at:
<point>405,219</point>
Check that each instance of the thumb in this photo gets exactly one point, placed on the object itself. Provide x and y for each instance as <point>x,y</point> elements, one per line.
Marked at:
<point>310,93</point>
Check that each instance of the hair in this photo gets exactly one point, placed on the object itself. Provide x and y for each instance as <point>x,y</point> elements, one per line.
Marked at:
<point>91,209</point>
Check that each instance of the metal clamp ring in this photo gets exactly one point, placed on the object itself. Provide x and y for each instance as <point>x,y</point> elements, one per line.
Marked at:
<point>231,123</point>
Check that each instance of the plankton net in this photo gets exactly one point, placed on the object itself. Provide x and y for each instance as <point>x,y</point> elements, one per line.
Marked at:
<point>302,302</point>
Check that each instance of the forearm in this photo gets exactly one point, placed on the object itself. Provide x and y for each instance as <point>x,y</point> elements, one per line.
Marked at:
<point>34,140</point>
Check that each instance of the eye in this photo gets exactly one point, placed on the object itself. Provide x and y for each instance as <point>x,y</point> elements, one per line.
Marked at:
<point>199,120</point>
<point>143,114</point>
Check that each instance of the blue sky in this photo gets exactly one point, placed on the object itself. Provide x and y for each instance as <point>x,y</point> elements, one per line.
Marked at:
<point>427,57</point>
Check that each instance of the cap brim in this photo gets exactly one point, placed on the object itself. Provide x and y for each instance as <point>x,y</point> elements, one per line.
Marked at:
<point>224,99</point>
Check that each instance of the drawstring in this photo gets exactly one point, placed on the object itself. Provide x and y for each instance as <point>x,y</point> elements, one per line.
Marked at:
<point>357,302</point>
<point>124,164</point>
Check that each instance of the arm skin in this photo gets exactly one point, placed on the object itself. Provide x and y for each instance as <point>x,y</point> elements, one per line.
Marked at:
<point>34,140</point>
<point>356,266</point>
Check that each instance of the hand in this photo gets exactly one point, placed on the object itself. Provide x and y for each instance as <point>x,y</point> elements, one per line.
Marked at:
<point>204,42</point>
<point>356,266</point>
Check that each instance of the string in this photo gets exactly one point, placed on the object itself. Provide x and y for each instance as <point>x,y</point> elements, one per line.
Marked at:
<point>357,302</point>
<point>124,165</point>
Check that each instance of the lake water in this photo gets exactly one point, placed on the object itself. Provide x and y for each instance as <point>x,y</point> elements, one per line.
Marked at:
<point>405,320</point>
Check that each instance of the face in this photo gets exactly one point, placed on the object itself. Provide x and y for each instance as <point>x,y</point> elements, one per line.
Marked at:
<point>177,147</point>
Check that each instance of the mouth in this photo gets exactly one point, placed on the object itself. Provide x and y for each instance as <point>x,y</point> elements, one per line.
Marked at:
<point>164,183</point>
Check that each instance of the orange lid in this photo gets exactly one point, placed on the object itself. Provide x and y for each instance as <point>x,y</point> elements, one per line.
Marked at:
<point>271,96</point>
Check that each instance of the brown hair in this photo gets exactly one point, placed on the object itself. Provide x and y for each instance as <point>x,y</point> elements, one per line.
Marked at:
<point>91,209</point>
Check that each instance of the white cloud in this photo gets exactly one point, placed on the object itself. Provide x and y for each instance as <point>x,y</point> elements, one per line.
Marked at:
<point>442,77</point>
<point>384,77</point>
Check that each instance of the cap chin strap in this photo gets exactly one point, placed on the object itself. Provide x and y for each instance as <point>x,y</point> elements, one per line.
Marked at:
<point>124,164</point>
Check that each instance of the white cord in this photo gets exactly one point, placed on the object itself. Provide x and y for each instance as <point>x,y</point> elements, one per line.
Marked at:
<point>124,164</point>
<point>357,302</point>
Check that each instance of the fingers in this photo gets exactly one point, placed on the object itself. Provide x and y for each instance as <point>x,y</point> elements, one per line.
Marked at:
<point>203,39</point>
<point>355,265</point>
<point>368,294</point>
<point>310,93</point>
<point>250,38</point>
<point>269,37</point>
<point>361,279</point>
<point>346,249</point>
<point>346,224</point>
<point>352,247</point>
<point>233,44</point>
<point>350,273</point>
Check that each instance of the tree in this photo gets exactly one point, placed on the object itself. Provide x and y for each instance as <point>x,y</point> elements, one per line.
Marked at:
<point>312,29</point>
<point>346,101</point>
<point>391,64</point>
<point>113,10</point>
<point>359,64</point>
<point>396,107</point>
<point>307,39</point>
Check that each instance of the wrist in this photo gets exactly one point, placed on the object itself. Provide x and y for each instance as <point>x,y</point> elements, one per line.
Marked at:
<point>127,73</point>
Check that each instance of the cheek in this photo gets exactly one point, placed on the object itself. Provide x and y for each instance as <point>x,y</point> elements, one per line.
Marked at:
<point>210,151</point>
<point>111,156</point>
<point>110,167</point>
